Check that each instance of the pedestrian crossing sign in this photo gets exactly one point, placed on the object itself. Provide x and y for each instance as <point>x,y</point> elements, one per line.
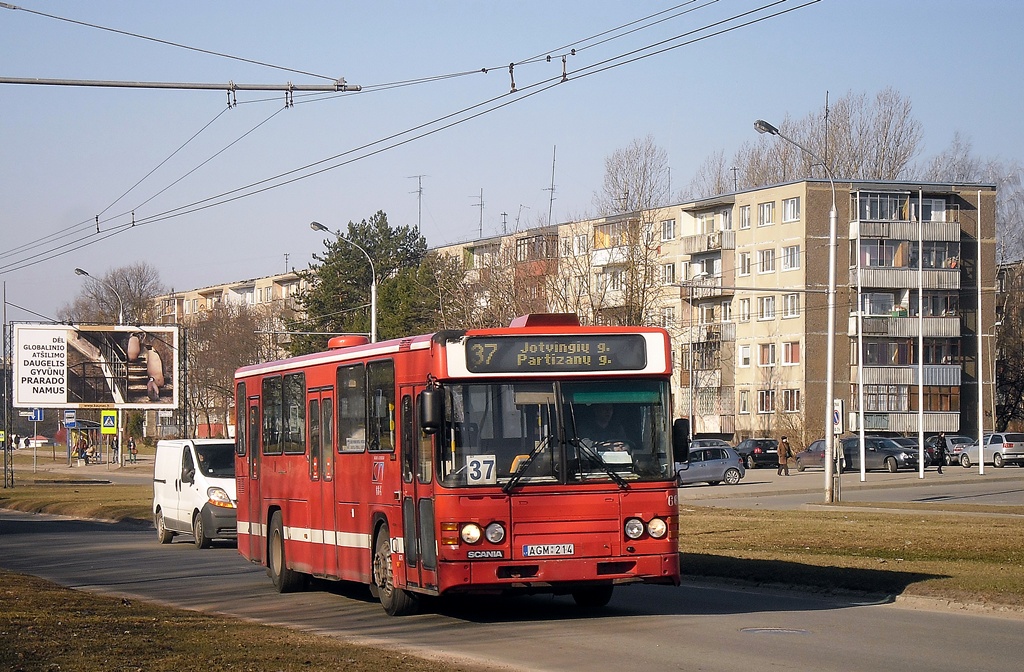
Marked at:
<point>108,424</point>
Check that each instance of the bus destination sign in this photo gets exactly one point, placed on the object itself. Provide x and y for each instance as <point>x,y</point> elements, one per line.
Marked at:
<point>545,354</point>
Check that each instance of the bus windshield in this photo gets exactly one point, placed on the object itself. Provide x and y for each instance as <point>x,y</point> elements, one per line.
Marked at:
<point>522,433</point>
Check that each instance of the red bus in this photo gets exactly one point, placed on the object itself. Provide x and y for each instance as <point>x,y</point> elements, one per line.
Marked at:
<point>463,462</point>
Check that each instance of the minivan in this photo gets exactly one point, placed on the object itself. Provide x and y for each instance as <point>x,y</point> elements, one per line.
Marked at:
<point>194,490</point>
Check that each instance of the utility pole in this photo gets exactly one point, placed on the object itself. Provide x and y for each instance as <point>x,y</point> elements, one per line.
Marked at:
<point>419,199</point>
<point>551,196</point>
<point>481,206</point>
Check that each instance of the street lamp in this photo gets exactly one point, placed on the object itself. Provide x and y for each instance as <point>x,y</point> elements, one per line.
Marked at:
<point>762,126</point>
<point>120,303</point>
<point>317,226</point>
<point>690,283</point>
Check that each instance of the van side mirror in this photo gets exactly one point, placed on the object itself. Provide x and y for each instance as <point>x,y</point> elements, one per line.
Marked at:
<point>431,410</point>
<point>188,476</point>
<point>681,439</point>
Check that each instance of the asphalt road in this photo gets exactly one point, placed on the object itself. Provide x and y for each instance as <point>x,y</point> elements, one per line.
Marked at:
<point>699,626</point>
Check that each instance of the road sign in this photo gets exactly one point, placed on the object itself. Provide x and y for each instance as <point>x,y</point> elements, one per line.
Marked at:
<point>837,417</point>
<point>69,418</point>
<point>36,415</point>
<point>108,424</point>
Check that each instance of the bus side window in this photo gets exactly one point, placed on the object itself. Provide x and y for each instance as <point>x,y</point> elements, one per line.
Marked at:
<point>351,409</point>
<point>381,397</point>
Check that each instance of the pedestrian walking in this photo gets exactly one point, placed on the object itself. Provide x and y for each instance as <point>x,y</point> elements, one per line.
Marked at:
<point>785,452</point>
<point>940,451</point>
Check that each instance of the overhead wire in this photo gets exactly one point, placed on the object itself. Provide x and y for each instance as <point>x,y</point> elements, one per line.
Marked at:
<point>279,179</point>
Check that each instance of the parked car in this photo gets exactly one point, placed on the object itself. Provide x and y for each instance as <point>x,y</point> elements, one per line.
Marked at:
<point>759,452</point>
<point>911,444</point>
<point>955,445</point>
<point>1000,450</point>
<point>811,456</point>
<point>879,453</point>
<point>714,465</point>
<point>710,443</point>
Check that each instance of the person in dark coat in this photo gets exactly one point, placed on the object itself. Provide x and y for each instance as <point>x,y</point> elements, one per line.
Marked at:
<point>940,451</point>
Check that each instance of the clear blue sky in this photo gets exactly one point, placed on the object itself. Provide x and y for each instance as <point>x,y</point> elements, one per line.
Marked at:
<point>68,154</point>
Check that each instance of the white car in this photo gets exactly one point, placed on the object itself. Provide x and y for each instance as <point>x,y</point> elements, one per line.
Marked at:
<point>1000,450</point>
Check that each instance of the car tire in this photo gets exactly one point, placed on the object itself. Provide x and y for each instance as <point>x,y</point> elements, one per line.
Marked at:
<point>163,535</point>
<point>997,460</point>
<point>751,464</point>
<point>800,466</point>
<point>199,532</point>
<point>965,461</point>
<point>891,466</point>
<point>732,476</point>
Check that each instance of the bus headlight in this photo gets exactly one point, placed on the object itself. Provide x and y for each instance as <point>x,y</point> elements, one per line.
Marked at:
<point>471,533</point>
<point>495,533</point>
<point>634,528</point>
<point>657,528</point>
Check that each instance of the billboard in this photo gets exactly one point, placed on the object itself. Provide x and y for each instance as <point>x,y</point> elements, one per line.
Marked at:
<point>95,366</point>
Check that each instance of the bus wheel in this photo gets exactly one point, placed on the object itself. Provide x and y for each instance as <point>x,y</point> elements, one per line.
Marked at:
<point>396,601</point>
<point>593,597</point>
<point>163,535</point>
<point>285,580</point>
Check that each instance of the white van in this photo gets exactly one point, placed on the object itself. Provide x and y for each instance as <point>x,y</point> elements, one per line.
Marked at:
<point>194,490</point>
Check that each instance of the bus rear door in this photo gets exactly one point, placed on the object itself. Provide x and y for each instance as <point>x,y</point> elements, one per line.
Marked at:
<point>417,498</point>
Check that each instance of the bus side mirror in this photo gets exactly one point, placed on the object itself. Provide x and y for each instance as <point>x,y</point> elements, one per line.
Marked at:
<point>431,410</point>
<point>681,439</point>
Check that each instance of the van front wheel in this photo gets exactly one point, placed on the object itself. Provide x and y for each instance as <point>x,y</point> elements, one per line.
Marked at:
<point>199,532</point>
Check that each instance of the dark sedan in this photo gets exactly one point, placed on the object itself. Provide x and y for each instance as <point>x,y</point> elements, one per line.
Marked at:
<point>811,456</point>
<point>759,452</point>
<point>879,453</point>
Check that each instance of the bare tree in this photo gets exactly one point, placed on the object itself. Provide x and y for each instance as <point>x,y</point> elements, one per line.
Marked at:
<point>636,179</point>
<point>136,284</point>
<point>713,176</point>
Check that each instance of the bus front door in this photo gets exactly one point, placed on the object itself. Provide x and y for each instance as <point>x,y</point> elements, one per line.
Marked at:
<point>320,420</point>
<point>257,526</point>
<point>417,451</point>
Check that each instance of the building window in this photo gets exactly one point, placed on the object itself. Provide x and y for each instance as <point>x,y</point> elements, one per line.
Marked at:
<point>744,402</point>
<point>744,356</point>
<point>745,217</point>
<point>791,305</point>
<point>668,274</point>
<point>791,209</point>
<point>706,222</point>
<point>791,401</point>
<point>791,353</point>
<point>766,354</point>
<point>727,220</point>
<point>668,317</point>
<point>668,229</point>
<point>726,311</point>
<point>766,261</point>
<point>766,401</point>
<point>790,257</point>
<point>706,313</point>
<point>744,263</point>
<point>744,310</point>
<point>766,213</point>
<point>766,307</point>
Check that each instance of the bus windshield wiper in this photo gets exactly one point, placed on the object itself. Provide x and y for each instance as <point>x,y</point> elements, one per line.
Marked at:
<point>595,456</point>
<point>524,465</point>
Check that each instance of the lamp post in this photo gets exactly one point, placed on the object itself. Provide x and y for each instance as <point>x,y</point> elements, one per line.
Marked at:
<point>120,321</point>
<point>317,226</point>
<point>762,126</point>
<point>690,284</point>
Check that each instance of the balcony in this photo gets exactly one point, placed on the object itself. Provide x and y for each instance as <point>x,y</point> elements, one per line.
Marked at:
<point>906,423</point>
<point>906,327</point>
<point>708,242</point>
<point>934,374</point>
<point>712,331</point>
<point>707,287</point>
<point>905,230</point>
<point>906,278</point>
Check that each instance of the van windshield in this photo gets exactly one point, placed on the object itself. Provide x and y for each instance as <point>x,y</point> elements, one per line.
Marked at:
<point>217,460</point>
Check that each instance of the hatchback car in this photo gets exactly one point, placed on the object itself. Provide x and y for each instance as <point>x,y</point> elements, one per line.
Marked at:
<point>811,456</point>
<point>709,443</point>
<point>719,464</point>
<point>759,452</point>
<point>879,453</point>
<point>1000,450</point>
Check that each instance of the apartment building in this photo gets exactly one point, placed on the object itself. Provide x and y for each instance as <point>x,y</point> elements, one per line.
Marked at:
<point>740,280</point>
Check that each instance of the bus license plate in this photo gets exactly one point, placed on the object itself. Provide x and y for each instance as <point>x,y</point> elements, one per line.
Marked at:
<point>537,550</point>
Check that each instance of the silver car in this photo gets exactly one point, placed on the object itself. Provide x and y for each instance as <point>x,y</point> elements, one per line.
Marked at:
<point>1000,450</point>
<point>718,464</point>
